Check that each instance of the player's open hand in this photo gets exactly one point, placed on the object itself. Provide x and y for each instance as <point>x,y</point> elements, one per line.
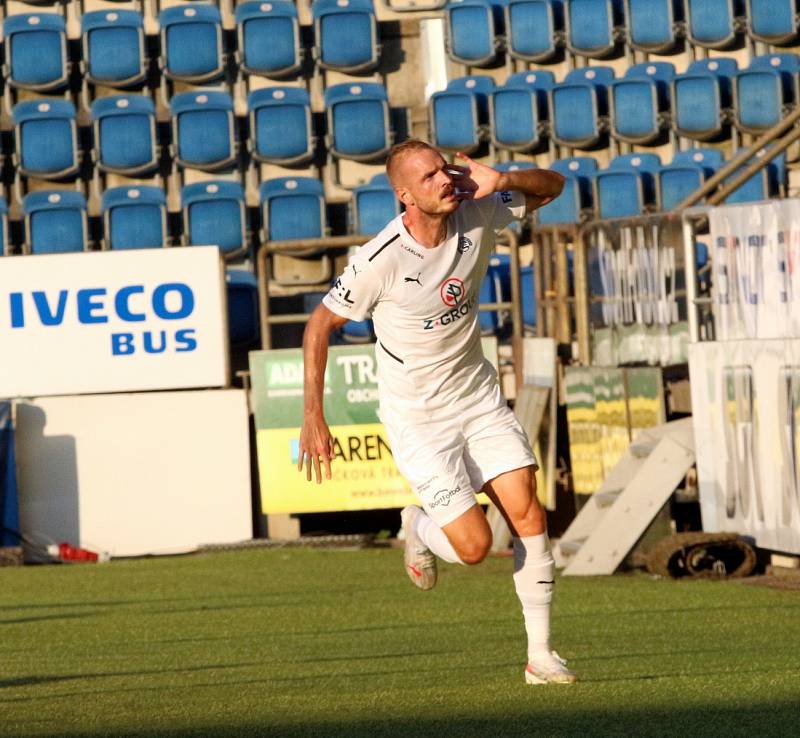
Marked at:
<point>483,178</point>
<point>316,448</point>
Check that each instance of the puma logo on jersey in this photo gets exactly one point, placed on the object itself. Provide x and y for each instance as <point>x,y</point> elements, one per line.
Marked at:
<point>414,279</point>
<point>451,316</point>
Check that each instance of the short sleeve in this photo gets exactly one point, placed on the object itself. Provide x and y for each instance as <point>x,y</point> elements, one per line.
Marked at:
<point>510,206</point>
<point>355,291</point>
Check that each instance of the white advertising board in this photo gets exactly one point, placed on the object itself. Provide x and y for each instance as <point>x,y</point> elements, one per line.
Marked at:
<point>746,414</point>
<point>112,321</point>
<point>135,474</point>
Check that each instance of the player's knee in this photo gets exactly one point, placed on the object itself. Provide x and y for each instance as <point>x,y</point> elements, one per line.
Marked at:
<point>531,520</point>
<point>475,551</point>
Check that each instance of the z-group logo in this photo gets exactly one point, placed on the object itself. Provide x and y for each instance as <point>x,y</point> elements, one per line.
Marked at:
<point>451,291</point>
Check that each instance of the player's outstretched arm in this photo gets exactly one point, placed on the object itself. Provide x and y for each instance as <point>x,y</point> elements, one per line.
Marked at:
<point>539,186</point>
<point>316,442</point>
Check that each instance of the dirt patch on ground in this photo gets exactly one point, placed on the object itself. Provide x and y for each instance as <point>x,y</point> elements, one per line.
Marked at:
<point>777,579</point>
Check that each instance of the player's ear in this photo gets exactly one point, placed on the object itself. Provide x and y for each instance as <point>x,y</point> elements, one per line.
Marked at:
<point>404,196</point>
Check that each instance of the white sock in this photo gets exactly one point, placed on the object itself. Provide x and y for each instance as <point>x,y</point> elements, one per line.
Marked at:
<point>533,580</point>
<point>435,538</point>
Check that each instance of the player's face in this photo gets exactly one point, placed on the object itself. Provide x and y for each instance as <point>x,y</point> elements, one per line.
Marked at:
<point>426,183</point>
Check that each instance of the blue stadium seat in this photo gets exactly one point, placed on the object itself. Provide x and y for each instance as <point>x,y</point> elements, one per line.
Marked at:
<point>243,325</point>
<point>472,27</point>
<point>700,98</point>
<point>579,105</point>
<point>134,217</point>
<point>528,297</point>
<point>358,120</point>
<point>55,221</point>
<point>125,134</point>
<point>517,108</point>
<point>593,27</point>
<point>639,101</point>
<point>191,42</point>
<point>269,38</point>
<point>281,125</point>
<point>627,187</point>
<point>113,47</point>
<point>204,130</point>
<point>459,115</point>
<point>492,291</point>
<point>712,23</point>
<point>373,205</point>
<point>652,24</point>
<point>35,51</point>
<point>293,208</point>
<point>775,22</point>
<point>761,186</point>
<point>532,27</point>
<point>46,138</point>
<point>576,195</point>
<point>684,174</point>
<point>346,35</point>
<point>763,91</point>
<point>4,239</point>
<point>214,214</point>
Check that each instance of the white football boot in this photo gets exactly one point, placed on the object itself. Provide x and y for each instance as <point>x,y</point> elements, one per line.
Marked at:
<point>419,561</point>
<point>548,668</point>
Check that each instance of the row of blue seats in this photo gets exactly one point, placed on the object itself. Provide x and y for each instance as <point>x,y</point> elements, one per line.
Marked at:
<point>205,133</point>
<point>536,30</point>
<point>213,212</point>
<point>637,108</point>
<point>637,183</point>
<point>193,45</point>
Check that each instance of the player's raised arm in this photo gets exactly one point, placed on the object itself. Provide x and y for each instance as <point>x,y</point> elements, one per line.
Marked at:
<point>316,442</point>
<point>539,186</point>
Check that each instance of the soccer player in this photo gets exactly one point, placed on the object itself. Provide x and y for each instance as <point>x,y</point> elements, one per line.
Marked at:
<point>451,432</point>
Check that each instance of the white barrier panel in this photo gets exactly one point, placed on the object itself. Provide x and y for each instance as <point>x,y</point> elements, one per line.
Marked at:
<point>112,321</point>
<point>135,474</point>
<point>746,414</point>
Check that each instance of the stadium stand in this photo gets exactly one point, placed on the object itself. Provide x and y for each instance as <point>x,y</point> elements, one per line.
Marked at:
<point>46,138</point>
<point>653,25</point>
<point>638,102</point>
<point>684,174</point>
<point>701,97</point>
<point>346,33</point>
<point>4,240</point>
<point>764,90</point>
<point>576,198</point>
<point>472,28</point>
<point>373,205</point>
<point>214,213</point>
<point>627,187</point>
<point>125,134</point>
<point>204,130</point>
<point>191,43</point>
<point>459,115</point>
<point>55,222</point>
<point>359,126</point>
<point>594,28</point>
<point>533,29</point>
<point>496,287</point>
<point>579,107</point>
<point>775,22</point>
<point>114,48</point>
<point>762,185</point>
<point>269,39</point>
<point>36,51</point>
<point>281,126</point>
<point>134,217</point>
<point>713,24</point>
<point>518,110</point>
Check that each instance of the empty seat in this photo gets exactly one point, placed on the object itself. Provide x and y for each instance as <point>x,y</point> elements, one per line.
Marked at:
<point>46,138</point>
<point>532,27</point>
<point>686,173</point>
<point>292,208</point>
<point>639,101</point>
<point>214,214</point>
<point>701,97</point>
<point>358,120</point>
<point>472,27</point>
<point>269,38</point>
<point>4,240</point>
<point>36,51</point>
<point>134,217</point>
<point>346,35</point>
<point>763,185</point>
<point>773,21</point>
<point>593,27</point>
<point>373,205</point>
<point>579,106</point>
<point>763,91</point>
<point>627,187</point>
<point>527,297</point>
<point>281,125</point>
<point>113,47</point>
<point>125,134</point>
<point>55,221</point>
<point>495,287</point>
<point>459,115</point>
<point>204,131</point>
<point>712,23</point>
<point>191,42</point>
<point>517,109</point>
<point>242,291</point>
<point>576,195</point>
<point>652,24</point>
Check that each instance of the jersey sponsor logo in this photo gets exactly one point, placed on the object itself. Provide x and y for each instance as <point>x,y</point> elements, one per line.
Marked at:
<point>464,245</point>
<point>412,251</point>
<point>451,291</point>
<point>355,271</point>
<point>506,197</point>
<point>414,279</point>
<point>443,496</point>
<point>341,294</point>
<point>451,316</point>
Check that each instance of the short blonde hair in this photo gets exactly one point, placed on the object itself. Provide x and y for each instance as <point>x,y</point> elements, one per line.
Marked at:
<point>398,152</point>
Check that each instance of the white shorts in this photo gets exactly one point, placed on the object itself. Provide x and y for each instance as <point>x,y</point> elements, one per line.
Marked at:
<point>448,461</point>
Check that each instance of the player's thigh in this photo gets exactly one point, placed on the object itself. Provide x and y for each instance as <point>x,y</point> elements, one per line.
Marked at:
<point>470,535</point>
<point>514,493</point>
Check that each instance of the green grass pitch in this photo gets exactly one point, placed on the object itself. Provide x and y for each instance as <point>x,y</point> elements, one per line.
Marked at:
<point>338,643</point>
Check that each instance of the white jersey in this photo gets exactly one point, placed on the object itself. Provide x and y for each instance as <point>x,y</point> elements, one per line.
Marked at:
<point>424,304</point>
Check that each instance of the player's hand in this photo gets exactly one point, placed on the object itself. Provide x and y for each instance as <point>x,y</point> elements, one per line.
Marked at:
<point>316,448</point>
<point>484,178</point>
<point>465,187</point>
